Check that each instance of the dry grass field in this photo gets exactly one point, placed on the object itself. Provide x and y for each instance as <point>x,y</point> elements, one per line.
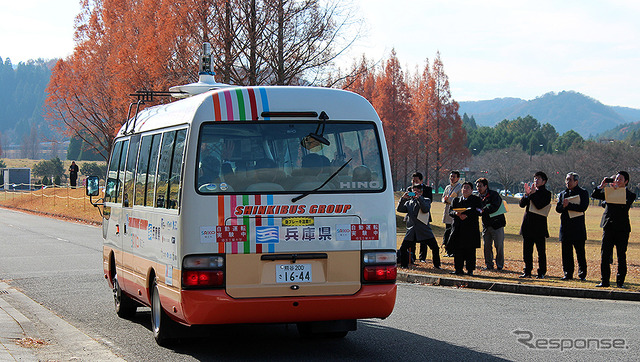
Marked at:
<point>513,251</point>
<point>61,202</point>
<point>72,204</point>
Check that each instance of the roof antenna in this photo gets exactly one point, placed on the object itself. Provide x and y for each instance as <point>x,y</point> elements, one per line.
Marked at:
<point>206,80</point>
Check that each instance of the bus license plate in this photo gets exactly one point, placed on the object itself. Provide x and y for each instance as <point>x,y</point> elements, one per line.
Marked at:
<point>293,273</point>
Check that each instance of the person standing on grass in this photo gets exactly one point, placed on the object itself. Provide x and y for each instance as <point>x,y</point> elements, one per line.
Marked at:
<point>492,227</point>
<point>413,203</point>
<point>452,191</point>
<point>572,203</point>
<point>615,228</point>
<point>427,193</point>
<point>73,174</point>
<point>465,230</point>
<point>534,231</point>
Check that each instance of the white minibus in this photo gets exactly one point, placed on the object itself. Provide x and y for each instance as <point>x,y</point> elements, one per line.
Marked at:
<point>251,205</point>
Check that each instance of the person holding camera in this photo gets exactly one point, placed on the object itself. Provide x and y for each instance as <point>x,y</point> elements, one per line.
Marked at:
<point>534,231</point>
<point>572,203</point>
<point>615,226</point>
<point>417,208</point>
<point>427,193</point>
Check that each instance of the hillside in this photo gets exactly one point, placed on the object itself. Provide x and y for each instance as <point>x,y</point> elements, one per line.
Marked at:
<point>22,94</point>
<point>567,110</point>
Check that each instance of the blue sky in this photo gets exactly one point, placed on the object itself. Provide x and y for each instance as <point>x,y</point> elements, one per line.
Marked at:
<point>490,48</point>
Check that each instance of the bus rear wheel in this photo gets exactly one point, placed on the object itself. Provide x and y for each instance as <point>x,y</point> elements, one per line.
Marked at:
<point>125,306</point>
<point>161,324</point>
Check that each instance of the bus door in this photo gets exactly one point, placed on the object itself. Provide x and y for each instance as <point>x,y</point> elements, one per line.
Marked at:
<point>113,225</point>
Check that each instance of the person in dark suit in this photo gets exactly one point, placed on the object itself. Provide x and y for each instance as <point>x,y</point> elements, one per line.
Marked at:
<point>534,229</point>
<point>573,232</point>
<point>616,228</point>
<point>465,230</point>
<point>492,227</point>
<point>73,174</point>
<point>417,231</point>
<point>427,193</point>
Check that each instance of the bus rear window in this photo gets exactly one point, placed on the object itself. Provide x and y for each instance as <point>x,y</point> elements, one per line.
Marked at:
<point>261,157</point>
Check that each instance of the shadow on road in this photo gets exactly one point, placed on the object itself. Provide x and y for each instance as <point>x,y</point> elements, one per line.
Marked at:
<point>371,341</point>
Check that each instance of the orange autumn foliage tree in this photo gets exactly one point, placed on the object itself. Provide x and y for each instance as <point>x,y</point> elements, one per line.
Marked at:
<point>121,46</point>
<point>127,45</point>
<point>447,137</point>
<point>391,99</point>
<point>423,129</point>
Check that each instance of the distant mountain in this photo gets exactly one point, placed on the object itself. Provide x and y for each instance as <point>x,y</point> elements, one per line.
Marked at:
<point>567,110</point>
<point>630,114</point>
<point>621,132</point>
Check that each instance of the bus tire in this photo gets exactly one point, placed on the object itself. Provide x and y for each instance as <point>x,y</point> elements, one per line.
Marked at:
<point>125,306</point>
<point>161,324</point>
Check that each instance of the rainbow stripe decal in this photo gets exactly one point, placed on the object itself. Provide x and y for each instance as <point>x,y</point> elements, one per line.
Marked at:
<point>242,104</point>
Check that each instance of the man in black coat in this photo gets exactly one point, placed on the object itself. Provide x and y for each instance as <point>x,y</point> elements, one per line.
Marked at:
<point>572,203</point>
<point>465,231</point>
<point>417,230</point>
<point>534,229</point>
<point>427,193</point>
<point>492,227</point>
<point>616,228</point>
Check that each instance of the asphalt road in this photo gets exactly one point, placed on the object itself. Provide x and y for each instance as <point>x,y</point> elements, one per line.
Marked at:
<point>58,264</point>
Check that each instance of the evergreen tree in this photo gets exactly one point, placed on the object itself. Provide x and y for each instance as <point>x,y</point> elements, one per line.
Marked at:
<point>74,149</point>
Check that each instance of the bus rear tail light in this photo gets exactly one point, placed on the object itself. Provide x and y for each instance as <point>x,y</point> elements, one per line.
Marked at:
<point>379,267</point>
<point>380,273</point>
<point>202,278</point>
<point>202,271</point>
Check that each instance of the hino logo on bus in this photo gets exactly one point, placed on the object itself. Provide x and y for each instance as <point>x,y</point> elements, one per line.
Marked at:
<point>360,185</point>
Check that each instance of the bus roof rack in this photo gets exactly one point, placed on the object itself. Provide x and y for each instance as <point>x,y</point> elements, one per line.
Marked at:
<point>143,96</point>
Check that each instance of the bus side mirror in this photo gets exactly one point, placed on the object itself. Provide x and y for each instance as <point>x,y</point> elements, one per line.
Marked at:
<point>93,188</point>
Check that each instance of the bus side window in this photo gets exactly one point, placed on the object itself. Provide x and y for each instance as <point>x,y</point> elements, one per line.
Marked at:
<point>153,167</point>
<point>143,170</point>
<point>132,157</point>
<point>164,168</point>
<point>123,159</point>
<point>176,169</point>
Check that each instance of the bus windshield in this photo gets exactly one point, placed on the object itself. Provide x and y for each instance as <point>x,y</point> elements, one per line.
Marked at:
<point>260,157</point>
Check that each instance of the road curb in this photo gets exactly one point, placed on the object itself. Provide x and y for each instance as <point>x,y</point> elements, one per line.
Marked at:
<point>520,288</point>
<point>61,340</point>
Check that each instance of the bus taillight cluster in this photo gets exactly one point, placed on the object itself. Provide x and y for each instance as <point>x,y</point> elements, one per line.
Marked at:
<point>379,267</point>
<point>202,271</point>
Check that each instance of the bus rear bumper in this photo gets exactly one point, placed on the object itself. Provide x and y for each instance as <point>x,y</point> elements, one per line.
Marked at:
<point>216,307</point>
